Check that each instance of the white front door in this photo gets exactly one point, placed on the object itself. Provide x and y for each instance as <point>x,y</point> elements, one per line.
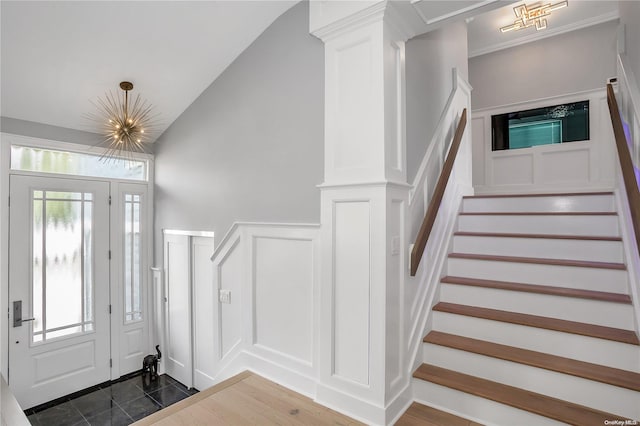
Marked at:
<point>59,274</point>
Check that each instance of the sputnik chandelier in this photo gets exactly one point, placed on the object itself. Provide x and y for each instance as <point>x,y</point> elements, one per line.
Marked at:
<point>126,126</point>
<point>531,15</point>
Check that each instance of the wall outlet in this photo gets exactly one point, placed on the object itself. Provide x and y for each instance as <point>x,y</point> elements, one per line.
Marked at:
<point>225,296</point>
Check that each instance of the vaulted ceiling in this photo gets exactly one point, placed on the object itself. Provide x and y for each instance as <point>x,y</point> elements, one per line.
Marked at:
<point>57,56</point>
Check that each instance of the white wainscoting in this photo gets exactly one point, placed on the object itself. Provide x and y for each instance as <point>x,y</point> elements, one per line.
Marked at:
<point>573,166</point>
<point>271,272</point>
<point>421,291</point>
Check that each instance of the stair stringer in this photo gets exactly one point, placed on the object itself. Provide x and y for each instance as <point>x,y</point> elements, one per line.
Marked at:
<point>431,270</point>
<point>630,250</point>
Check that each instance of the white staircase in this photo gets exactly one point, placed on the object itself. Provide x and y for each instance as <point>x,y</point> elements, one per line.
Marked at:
<point>534,324</point>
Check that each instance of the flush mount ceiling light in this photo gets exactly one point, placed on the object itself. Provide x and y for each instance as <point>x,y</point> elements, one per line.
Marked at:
<point>531,15</point>
<point>126,126</point>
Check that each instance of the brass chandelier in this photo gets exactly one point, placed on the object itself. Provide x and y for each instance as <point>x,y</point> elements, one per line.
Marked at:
<point>126,126</point>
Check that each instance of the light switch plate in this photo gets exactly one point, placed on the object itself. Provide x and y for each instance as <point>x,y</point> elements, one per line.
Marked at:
<point>395,246</point>
<point>225,296</point>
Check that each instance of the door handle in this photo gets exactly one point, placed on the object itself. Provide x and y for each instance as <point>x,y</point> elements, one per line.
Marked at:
<point>17,314</point>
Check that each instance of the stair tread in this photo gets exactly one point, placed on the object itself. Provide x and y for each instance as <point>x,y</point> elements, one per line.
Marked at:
<point>540,260</point>
<point>538,213</point>
<point>546,236</point>
<point>540,289</point>
<point>586,370</point>
<point>419,414</point>
<point>536,403</point>
<point>583,329</point>
<point>560,194</point>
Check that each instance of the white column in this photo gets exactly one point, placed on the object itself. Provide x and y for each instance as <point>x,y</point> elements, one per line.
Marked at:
<point>364,197</point>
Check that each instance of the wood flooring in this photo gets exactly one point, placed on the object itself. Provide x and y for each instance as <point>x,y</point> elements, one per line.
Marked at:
<point>247,399</point>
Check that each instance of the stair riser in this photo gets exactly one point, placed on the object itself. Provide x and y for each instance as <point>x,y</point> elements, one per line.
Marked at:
<point>567,308</point>
<point>583,348</point>
<point>597,279</point>
<point>591,250</point>
<point>600,226</point>
<point>578,390</point>
<point>483,410</point>
<point>583,203</point>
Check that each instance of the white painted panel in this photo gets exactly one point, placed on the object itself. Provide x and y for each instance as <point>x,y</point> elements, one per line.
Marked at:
<point>478,150</point>
<point>395,112</point>
<point>575,203</point>
<point>593,250</point>
<point>608,314</point>
<point>480,409</point>
<point>512,169</point>
<point>574,346</point>
<point>575,166</point>
<point>178,310</point>
<point>66,361</point>
<point>354,79</point>
<point>565,166</point>
<point>394,293</point>
<point>134,339</point>
<point>230,273</point>
<point>351,287</point>
<point>590,393</point>
<point>204,298</point>
<point>284,296</point>
<point>611,280</point>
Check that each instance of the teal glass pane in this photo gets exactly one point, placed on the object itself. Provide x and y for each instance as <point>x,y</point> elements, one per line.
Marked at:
<point>534,134</point>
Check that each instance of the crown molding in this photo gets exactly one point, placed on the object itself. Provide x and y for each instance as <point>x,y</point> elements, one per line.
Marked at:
<point>371,14</point>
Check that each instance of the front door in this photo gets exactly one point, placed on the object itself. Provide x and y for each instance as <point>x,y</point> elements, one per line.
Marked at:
<point>59,325</point>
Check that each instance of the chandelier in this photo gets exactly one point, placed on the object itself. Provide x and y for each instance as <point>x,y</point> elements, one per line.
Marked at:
<point>531,15</point>
<point>125,125</point>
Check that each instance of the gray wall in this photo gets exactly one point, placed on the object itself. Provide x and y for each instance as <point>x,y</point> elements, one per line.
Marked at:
<point>45,131</point>
<point>250,148</point>
<point>567,63</point>
<point>429,60</point>
<point>630,17</point>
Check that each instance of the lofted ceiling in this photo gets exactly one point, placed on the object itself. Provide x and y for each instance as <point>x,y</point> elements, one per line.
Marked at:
<point>56,56</point>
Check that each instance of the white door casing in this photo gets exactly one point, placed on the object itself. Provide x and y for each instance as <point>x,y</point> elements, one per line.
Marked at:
<point>50,356</point>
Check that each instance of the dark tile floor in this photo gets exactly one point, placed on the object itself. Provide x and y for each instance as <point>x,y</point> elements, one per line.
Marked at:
<point>120,403</point>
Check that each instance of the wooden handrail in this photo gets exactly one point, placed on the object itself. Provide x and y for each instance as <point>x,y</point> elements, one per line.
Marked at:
<point>438,193</point>
<point>628,175</point>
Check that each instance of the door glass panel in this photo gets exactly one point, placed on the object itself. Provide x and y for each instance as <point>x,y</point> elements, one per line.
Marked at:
<point>62,250</point>
<point>132,258</point>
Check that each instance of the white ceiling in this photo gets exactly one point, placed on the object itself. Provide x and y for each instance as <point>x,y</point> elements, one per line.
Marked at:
<point>58,55</point>
<point>484,30</point>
